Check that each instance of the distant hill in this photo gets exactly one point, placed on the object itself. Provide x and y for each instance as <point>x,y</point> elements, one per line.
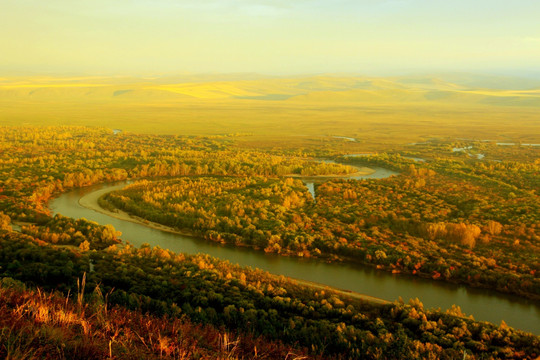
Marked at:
<point>481,81</point>
<point>443,88</point>
<point>436,104</point>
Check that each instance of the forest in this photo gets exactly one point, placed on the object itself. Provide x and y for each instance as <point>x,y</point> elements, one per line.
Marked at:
<point>449,215</point>
<point>445,219</point>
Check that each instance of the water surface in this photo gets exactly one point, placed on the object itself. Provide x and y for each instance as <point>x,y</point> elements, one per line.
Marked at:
<point>482,304</point>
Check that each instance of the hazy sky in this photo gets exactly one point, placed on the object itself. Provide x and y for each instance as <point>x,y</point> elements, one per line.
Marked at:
<point>268,36</point>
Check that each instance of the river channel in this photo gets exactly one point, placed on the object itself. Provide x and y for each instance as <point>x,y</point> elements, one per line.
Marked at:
<point>484,305</point>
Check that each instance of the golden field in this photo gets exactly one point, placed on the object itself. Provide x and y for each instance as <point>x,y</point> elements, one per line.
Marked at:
<point>382,110</point>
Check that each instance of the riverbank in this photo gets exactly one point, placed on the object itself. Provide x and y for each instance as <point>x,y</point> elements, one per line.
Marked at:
<point>362,171</point>
<point>91,202</point>
<point>351,294</point>
<point>483,305</point>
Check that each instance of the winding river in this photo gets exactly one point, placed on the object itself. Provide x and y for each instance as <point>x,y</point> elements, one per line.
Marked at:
<point>484,305</point>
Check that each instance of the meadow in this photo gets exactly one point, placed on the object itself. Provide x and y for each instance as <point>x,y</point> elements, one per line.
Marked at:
<point>373,110</point>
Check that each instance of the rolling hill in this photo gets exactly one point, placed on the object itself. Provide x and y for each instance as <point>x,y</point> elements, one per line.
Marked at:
<point>429,106</point>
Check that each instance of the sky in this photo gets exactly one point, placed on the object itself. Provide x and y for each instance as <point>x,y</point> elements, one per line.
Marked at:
<point>268,36</point>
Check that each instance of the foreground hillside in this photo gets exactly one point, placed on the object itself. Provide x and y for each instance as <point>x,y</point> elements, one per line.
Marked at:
<point>250,303</point>
<point>43,325</point>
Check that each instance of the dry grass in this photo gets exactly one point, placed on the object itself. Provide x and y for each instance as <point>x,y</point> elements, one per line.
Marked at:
<point>35,325</point>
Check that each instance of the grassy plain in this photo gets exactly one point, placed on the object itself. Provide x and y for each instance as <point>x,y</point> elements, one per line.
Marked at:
<point>375,111</point>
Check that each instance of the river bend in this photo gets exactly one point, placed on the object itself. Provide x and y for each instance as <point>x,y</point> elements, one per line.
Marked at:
<point>484,305</point>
